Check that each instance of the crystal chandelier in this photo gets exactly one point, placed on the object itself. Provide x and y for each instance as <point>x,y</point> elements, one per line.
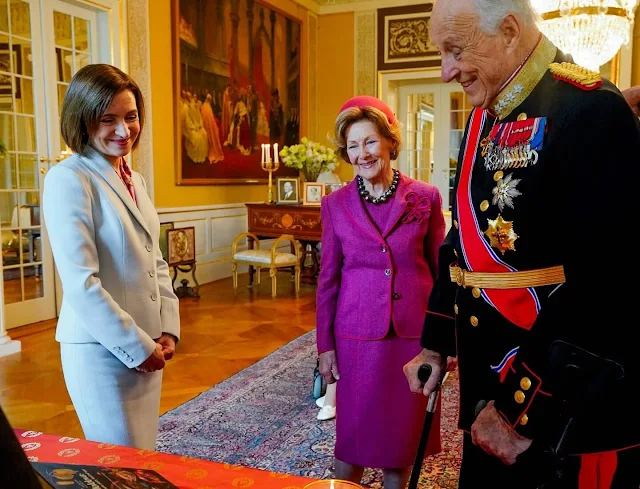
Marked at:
<point>592,31</point>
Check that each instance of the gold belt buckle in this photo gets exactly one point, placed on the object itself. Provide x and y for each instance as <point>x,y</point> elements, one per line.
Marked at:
<point>459,276</point>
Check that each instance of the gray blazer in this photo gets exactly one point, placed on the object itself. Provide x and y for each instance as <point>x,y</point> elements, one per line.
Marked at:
<point>117,288</point>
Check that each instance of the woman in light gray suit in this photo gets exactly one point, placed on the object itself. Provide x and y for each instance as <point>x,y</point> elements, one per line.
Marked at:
<point>119,321</point>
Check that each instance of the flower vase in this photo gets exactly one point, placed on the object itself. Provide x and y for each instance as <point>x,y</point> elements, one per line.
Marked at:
<point>308,176</point>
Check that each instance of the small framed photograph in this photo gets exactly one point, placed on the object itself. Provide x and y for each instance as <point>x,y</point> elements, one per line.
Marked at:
<point>330,187</point>
<point>313,193</point>
<point>288,191</point>
<point>181,246</point>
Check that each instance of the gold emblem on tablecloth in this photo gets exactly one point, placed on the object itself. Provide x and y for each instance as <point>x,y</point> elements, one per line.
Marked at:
<point>501,234</point>
<point>196,474</point>
<point>67,439</point>
<point>27,447</point>
<point>106,446</point>
<point>31,434</point>
<point>69,452</point>
<point>153,465</point>
<point>243,482</point>
<point>109,459</point>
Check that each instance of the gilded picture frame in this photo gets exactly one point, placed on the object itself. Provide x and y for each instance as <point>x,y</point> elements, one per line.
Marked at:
<point>237,85</point>
<point>403,38</point>
<point>181,244</point>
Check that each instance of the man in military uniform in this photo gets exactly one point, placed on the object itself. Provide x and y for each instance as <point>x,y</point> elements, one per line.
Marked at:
<point>539,252</point>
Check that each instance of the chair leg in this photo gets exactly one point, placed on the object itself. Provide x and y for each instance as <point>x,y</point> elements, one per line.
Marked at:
<point>297,280</point>
<point>272,273</point>
<point>234,268</point>
<point>258,269</point>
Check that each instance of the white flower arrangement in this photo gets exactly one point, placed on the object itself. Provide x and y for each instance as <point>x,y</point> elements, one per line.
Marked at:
<point>310,158</point>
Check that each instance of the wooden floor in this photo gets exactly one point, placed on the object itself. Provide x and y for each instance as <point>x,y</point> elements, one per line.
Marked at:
<point>221,335</point>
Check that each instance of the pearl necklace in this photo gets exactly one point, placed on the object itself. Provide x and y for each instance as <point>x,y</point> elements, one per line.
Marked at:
<point>364,193</point>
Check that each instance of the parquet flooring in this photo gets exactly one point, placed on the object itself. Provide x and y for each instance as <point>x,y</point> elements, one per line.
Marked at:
<point>221,335</point>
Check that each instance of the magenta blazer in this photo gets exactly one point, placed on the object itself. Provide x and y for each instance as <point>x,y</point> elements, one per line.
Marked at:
<point>370,279</point>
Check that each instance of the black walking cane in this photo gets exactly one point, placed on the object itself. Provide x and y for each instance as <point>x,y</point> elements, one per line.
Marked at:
<point>424,372</point>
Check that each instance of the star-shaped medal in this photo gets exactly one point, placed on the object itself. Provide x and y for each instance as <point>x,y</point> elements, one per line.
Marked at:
<point>501,235</point>
<point>505,191</point>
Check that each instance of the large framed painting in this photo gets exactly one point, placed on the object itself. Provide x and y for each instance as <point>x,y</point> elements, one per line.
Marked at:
<point>237,86</point>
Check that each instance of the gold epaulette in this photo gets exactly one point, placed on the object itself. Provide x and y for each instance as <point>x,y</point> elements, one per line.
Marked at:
<point>579,76</point>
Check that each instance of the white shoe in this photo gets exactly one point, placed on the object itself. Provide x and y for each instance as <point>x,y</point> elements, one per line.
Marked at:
<point>320,401</point>
<point>327,412</point>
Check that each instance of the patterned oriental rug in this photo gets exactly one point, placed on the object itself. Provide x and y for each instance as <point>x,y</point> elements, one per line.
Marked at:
<point>265,417</point>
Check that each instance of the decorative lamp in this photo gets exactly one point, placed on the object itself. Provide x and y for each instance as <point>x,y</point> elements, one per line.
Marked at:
<point>592,31</point>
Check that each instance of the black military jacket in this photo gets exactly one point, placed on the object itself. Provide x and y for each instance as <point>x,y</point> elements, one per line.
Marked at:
<point>575,204</point>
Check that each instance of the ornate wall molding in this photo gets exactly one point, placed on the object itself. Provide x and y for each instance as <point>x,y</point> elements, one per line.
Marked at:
<point>365,55</point>
<point>337,6</point>
<point>137,17</point>
<point>312,86</point>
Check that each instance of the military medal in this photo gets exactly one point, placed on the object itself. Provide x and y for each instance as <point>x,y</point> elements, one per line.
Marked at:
<point>505,191</point>
<point>514,144</point>
<point>501,234</point>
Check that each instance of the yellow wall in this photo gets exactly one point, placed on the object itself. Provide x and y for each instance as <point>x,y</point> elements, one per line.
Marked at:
<point>635,63</point>
<point>336,48</point>
<point>167,193</point>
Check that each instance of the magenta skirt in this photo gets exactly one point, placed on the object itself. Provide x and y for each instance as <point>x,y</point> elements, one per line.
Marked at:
<point>378,419</point>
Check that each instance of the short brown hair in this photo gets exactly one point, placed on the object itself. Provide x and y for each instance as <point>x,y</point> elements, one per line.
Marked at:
<point>355,114</point>
<point>88,96</point>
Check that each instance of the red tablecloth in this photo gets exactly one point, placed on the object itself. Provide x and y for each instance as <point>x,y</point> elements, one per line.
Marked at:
<point>184,472</point>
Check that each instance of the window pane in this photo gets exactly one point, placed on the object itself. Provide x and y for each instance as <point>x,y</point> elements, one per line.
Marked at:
<point>24,95</point>
<point>20,19</point>
<point>26,133</point>
<point>62,29</point>
<point>8,178</point>
<point>33,283</point>
<point>12,283</point>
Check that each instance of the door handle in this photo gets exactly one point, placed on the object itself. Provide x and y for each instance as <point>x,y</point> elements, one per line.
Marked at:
<point>62,156</point>
<point>43,170</point>
<point>44,160</point>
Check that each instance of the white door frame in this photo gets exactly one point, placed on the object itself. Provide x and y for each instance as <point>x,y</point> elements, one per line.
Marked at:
<point>110,37</point>
<point>110,33</point>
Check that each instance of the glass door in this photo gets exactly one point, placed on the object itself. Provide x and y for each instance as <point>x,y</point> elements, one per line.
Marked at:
<point>27,266</point>
<point>42,44</point>
<point>73,43</point>
<point>433,117</point>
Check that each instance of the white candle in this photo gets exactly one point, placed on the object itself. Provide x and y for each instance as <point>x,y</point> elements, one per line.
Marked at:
<point>263,160</point>
<point>275,153</point>
<point>268,153</point>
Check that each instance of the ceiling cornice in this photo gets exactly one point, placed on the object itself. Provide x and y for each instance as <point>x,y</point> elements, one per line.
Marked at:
<point>321,7</point>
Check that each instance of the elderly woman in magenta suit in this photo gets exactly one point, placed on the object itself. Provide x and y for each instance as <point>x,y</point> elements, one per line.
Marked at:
<point>380,240</point>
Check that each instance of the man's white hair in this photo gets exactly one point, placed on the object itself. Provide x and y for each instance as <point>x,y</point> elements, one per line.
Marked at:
<point>492,12</point>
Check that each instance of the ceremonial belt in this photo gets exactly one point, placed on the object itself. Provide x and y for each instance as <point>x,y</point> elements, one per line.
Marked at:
<point>508,280</point>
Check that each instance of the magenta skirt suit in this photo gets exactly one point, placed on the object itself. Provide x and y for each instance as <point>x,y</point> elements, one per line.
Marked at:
<point>378,264</point>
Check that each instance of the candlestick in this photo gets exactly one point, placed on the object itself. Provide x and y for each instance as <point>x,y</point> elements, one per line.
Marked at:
<point>269,166</point>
